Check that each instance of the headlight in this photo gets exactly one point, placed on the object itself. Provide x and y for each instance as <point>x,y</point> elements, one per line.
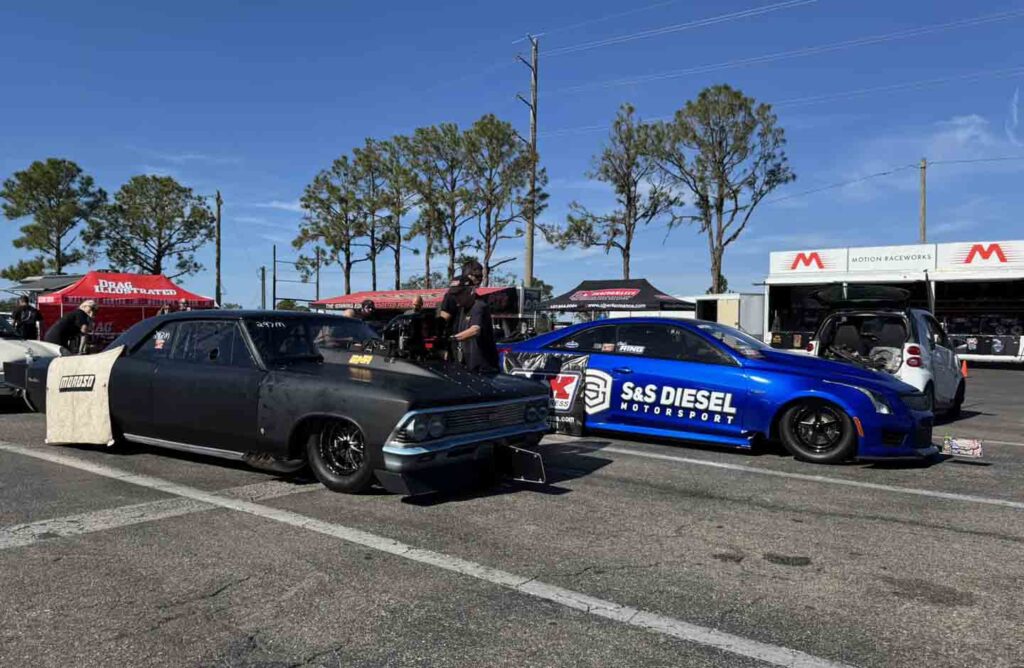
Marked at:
<point>536,413</point>
<point>877,399</point>
<point>436,427</point>
<point>418,428</point>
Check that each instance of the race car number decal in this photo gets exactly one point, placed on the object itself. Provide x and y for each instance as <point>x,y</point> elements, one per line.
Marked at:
<point>77,383</point>
<point>360,359</point>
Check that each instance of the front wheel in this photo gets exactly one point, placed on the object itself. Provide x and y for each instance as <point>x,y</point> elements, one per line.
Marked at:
<point>816,431</point>
<point>337,454</point>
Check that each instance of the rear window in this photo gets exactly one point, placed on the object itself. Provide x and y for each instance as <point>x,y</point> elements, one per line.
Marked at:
<point>863,332</point>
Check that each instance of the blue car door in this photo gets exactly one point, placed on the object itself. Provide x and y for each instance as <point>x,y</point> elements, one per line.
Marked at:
<point>670,381</point>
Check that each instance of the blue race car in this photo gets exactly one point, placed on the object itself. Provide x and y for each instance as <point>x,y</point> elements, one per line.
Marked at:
<point>703,381</point>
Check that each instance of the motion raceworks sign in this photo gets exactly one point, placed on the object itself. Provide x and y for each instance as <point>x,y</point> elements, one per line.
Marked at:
<point>972,256</point>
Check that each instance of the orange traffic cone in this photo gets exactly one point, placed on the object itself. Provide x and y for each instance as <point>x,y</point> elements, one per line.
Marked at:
<point>963,368</point>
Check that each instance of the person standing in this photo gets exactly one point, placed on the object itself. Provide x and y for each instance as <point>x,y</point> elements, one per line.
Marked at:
<point>480,352</point>
<point>27,320</point>
<point>72,331</point>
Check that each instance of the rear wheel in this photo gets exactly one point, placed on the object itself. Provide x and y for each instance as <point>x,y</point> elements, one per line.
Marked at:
<point>817,431</point>
<point>336,451</point>
<point>958,402</point>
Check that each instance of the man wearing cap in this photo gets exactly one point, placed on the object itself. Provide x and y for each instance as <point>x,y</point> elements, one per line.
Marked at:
<point>72,331</point>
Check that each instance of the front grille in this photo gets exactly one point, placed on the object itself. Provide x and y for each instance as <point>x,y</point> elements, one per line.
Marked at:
<point>479,418</point>
<point>924,434</point>
<point>893,438</point>
<point>917,401</point>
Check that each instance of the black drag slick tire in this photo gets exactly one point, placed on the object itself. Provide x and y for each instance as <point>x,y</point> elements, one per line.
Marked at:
<point>818,432</point>
<point>337,454</point>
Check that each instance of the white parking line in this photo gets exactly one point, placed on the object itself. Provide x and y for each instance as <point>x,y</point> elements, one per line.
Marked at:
<point>708,637</point>
<point>21,535</point>
<point>950,496</point>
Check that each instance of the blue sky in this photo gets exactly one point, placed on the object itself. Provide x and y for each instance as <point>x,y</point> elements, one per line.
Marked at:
<point>255,97</point>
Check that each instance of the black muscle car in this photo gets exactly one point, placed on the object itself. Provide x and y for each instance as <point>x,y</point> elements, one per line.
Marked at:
<point>280,390</point>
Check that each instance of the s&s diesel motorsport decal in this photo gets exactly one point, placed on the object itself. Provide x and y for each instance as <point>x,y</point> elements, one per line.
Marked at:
<point>682,402</point>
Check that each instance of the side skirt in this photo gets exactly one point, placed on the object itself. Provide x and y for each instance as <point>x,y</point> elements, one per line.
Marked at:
<point>186,447</point>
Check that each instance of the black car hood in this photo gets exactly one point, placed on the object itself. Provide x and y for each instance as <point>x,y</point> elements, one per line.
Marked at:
<point>425,385</point>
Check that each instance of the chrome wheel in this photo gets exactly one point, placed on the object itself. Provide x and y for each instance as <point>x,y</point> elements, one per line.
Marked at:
<point>819,428</point>
<point>342,449</point>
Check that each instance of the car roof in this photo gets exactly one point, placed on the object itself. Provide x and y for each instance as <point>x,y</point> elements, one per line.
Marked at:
<point>245,314</point>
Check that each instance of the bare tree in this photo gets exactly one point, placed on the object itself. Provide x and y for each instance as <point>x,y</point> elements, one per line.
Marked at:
<point>640,192</point>
<point>726,151</point>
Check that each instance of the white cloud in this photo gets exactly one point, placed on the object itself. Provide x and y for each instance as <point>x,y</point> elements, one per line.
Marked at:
<point>182,157</point>
<point>967,137</point>
<point>155,170</point>
<point>293,206</point>
<point>1012,125</point>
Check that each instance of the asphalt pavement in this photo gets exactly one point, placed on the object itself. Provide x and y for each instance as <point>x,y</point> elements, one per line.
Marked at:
<point>635,554</point>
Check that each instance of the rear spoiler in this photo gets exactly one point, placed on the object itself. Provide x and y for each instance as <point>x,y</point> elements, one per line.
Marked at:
<point>860,295</point>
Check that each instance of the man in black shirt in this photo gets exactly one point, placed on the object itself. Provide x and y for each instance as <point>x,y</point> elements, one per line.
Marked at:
<point>26,320</point>
<point>477,337</point>
<point>72,331</point>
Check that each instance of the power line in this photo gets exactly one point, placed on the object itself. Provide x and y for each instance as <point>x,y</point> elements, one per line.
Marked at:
<point>678,27</point>
<point>601,19</point>
<point>827,97</point>
<point>840,184</point>
<point>798,53</point>
<point>969,160</point>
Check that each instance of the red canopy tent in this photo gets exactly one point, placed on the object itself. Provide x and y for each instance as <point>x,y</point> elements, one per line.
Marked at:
<point>395,300</point>
<point>123,300</point>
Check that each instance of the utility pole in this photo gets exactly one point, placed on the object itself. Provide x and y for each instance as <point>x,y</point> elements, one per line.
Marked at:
<point>318,272</point>
<point>217,292</point>
<point>263,287</point>
<point>923,231</point>
<point>273,281</point>
<point>532,104</point>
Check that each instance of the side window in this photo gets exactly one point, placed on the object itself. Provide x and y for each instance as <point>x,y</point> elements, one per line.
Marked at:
<point>592,340</point>
<point>216,342</point>
<point>667,342</point>
<point>157,346</point>
<point>936,333</point>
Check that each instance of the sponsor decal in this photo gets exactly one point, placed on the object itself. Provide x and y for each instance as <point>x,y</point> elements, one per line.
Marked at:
<point>563,389</point>
<point>572,345</point>
<point>77,383</point>
<point>611,294</point>
<point>682,402</point>
<point>807,260</point>
<point>628,348</point>
<point>597,392</point>
<point>360,359</point>
<point>273,324</point>
<point>985,252</point>
<point>105,287</point>
<point>607,347</point>
<point>997,346</point>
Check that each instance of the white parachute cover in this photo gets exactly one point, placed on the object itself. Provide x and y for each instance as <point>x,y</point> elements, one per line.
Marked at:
<point>78,399</point>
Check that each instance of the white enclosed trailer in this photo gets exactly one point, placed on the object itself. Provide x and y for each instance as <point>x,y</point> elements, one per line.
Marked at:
<point>974,288</point>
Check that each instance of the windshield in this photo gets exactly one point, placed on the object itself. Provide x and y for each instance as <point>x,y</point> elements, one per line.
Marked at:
<point>284,339</point>
<point>741,342</point>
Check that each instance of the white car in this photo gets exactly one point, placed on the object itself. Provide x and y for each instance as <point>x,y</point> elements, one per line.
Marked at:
<point>908,343</point>
<point>13,348</point>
